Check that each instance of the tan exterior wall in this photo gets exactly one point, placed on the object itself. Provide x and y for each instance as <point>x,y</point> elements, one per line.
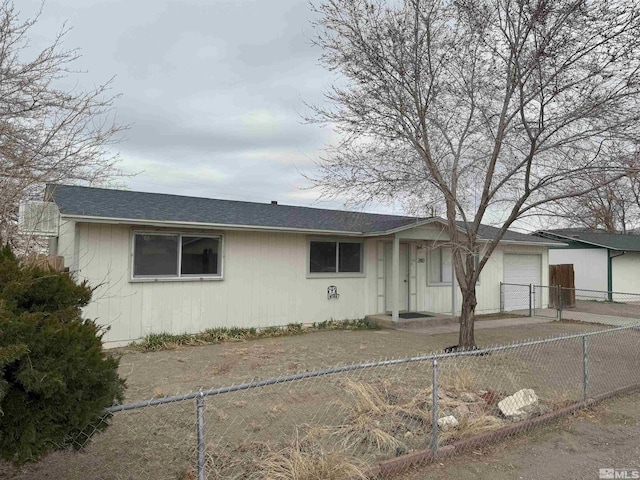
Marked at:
<point>437,298</point>
<point>626,274</point>
<point>265,283</point>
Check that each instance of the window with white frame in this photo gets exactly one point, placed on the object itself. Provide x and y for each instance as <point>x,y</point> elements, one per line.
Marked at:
<point>335,257</point>
<point>440,265</point>
<point>440,269</point>
<point>164,255</point>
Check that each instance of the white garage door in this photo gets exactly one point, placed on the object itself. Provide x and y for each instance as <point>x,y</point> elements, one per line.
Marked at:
<point>520,270</point>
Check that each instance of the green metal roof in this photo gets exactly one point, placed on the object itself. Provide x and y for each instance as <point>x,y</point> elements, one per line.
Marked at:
<point>613,241</point>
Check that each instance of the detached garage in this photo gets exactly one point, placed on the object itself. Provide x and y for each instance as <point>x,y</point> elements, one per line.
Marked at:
<point>601,261</point>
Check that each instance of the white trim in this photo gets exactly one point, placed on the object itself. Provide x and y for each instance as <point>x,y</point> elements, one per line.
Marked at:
<point>217,226</point>
<point>530,244</point>
<point>263,228</point>
<point>407,243</point>
<point>420,223</point>
<point>179,277</point>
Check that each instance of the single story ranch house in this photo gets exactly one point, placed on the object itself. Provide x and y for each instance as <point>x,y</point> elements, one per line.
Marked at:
<point>168,263</point>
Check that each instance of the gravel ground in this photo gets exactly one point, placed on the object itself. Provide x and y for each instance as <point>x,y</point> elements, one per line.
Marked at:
<point>575,448</point>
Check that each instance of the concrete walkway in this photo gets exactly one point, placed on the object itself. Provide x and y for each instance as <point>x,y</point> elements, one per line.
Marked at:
<point>595,318</point>
<point>479,325</point>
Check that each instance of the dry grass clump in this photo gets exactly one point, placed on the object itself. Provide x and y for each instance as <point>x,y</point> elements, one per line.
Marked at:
<point>470,426</point>
<point>458,378</point>
<point>295,463</point>
<point>368,416</point>
<point>364,430</point>
<point>377,419</point>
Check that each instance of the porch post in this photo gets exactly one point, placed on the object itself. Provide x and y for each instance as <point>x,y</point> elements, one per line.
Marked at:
<point>395,279</point>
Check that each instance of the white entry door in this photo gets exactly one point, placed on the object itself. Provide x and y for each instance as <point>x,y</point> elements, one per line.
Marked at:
<point>404,276</point>
<point>520,270</point>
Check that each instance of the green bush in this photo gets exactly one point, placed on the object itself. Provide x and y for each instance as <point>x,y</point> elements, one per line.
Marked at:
<point>165,341</point>
<point>55,379</point>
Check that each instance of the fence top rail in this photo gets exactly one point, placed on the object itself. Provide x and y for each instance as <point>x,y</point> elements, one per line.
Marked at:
<point>605,292</point>
<point>602,291</point>
<point>350,368</point>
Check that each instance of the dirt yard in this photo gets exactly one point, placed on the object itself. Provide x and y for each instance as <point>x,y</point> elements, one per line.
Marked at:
<point>575,448</point>
<point>188,369</point>
<point>369,414</point>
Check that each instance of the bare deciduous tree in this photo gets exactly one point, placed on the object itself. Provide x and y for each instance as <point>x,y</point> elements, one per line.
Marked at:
<point>47,133</point>
<point>613,208</point>
<point>493,108</point>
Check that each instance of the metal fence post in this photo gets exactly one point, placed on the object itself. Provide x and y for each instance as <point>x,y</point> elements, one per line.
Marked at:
<point>530,303</point>
<point>434,419</point>
<point>559,303</point>
<point>501,297</point>
<point>585,369</point>
<point>200,435</point>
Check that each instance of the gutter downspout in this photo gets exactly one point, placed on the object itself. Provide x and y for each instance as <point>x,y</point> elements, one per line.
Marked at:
<point>610,272</point>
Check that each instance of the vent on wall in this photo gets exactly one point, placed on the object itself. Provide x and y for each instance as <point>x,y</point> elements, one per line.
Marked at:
<point>39,218</point>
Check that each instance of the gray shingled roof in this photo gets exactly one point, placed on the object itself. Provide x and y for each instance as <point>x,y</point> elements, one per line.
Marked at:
<point>614,241</point>
<point>123,204</point>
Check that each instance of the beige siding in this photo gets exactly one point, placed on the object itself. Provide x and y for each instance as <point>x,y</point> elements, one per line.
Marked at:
<point>626,274</point>
<point>437,298</point>
<point>265,283</point>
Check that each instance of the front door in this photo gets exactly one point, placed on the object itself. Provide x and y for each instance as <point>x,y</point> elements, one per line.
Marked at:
<point>404,276</point>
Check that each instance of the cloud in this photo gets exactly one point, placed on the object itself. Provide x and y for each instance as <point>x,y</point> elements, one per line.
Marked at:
<point>213,90</point>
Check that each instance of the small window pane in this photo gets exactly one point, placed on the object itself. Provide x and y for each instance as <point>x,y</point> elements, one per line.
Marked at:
<point>440,266</point>
<point>200,256</point>
<point>322,256</point>
<point>446,275</point>
<point>434,266</point>
<point>155,255</point>
<point>350,257</point>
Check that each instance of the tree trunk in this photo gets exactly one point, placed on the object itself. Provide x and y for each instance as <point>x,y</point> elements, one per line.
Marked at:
<point>466,338</point>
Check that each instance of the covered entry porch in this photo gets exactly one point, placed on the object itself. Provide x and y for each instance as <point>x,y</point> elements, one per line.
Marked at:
<point>414,277</point>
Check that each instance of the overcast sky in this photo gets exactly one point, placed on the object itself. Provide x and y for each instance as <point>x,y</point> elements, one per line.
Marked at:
<point>213,90</point>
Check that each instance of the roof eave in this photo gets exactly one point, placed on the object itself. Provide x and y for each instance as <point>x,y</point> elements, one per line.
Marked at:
<point>544,233</point>
<point>533,244</point>
<point>208,226</point>
<point>403,228</point>
<point>264,228</point>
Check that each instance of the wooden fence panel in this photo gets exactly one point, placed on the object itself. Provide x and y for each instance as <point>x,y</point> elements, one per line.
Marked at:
<point>563,276</point>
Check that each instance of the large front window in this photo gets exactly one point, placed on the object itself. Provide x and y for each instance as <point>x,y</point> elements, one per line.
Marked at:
<point>335,257</point>
<point>176,256</point>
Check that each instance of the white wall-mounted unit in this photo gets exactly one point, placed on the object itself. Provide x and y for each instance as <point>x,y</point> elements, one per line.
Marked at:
<point>39,218</point>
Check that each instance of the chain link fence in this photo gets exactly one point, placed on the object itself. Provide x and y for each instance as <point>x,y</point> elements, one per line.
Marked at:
<point>356,421</point>
<point>561,303</point>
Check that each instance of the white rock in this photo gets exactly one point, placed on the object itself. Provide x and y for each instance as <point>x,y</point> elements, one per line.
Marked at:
<point>447,423</point>
<point>518,403</point>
